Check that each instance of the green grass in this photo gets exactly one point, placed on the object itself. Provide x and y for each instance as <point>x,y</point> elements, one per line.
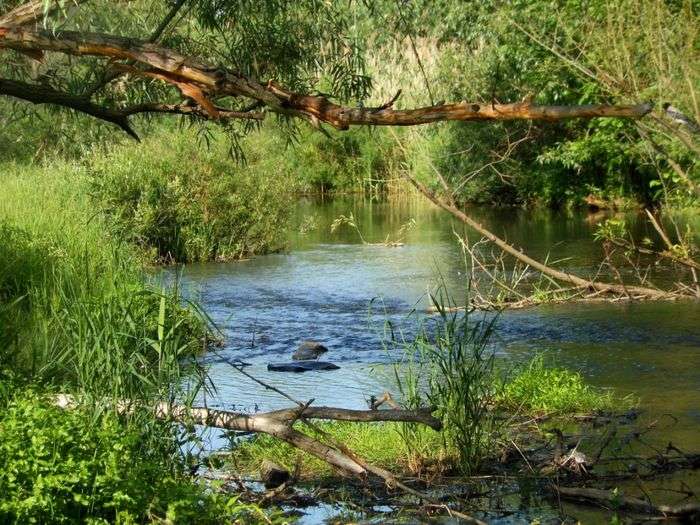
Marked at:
<point>412,449</point>
<point>379,443</point>
<point>78,314</point>
<point>537,388</point>
<point>75,305</point>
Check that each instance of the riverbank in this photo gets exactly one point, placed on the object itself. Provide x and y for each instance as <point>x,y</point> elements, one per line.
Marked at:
<point>78,314</point>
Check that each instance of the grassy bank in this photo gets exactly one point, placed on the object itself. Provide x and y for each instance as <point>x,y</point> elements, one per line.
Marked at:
<point>78,314</point>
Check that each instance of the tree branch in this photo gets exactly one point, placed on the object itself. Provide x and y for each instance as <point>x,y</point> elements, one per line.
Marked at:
<point>39,94</point>
<point>277,424</point>
<point>558,275</point>
<point>29,12</point>
<point>217,81</point>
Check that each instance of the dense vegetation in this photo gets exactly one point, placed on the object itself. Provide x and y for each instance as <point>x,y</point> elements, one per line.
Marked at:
<point>84,212</point>
<point>574,54</point>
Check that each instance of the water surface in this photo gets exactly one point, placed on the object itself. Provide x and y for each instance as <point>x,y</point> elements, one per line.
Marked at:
<point>333,289</point>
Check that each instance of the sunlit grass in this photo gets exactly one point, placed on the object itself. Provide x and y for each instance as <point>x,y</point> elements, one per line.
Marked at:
<point>379,443</point>
<point>75,306</point>
<point>540,389</point>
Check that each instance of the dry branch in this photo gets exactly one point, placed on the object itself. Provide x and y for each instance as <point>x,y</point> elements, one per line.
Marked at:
<point>585,284</point>
<point>42,94</point>
<point>279,424</point>
<point>30,12</point>
<point>213,81</point>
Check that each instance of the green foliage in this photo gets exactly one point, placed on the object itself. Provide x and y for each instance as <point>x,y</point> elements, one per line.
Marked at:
<point>184,201</point>
<point>355,160</point>
<point>380,444</point>
<point>74,304</point>
<point>540,388</point>
<point>75,466</point>
<point>451,367</point>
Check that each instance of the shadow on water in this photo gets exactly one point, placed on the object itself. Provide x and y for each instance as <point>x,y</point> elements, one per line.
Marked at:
<point>336,290</point>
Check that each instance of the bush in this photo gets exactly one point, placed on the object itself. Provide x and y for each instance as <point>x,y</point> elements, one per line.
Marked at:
<point>74,466</point>
<point>183,201</point>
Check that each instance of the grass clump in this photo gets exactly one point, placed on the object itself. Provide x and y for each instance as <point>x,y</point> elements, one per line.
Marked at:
<point>450,366</point>
<point>183,201</point>
<point>79,315</point>
<point>539,388</point>
<point>379,443</point>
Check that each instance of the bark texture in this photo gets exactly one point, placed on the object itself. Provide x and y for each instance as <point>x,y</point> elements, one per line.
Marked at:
<point>201,82</point>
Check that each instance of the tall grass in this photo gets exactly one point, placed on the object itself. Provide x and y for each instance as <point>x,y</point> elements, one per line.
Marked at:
<point>75,308</point>
<point>450,367</point>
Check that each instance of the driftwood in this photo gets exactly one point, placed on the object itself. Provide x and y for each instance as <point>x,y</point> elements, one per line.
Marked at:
<point>279,423</point>
<point>611,499</point>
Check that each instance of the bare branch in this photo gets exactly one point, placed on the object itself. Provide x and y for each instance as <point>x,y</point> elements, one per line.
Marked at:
<point>220,82</point>
<point>40,94</point>
<point>277,424</point>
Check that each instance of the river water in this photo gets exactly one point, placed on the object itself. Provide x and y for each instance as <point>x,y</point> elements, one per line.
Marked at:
<point>332,288</point>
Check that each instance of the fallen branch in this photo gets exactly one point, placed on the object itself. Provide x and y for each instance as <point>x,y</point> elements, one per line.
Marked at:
<point>278,423</point>
<point>618,289</point>
<point>611,499</point>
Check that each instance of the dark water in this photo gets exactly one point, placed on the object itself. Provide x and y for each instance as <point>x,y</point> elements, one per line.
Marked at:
<point>333,289</point>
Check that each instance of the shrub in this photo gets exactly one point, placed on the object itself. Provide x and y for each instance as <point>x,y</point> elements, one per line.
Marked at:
<point>75,466</point>
<point>182,201</point>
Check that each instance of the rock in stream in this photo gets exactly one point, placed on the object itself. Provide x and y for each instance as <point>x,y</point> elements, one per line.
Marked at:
<point>309,350</point>
<point>301,366</point>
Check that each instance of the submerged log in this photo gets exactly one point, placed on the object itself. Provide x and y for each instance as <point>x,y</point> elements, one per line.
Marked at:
<point>612,499</point>
<point>302,366</point>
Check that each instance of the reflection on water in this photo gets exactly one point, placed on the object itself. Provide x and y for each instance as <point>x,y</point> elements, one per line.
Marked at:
<point>333,289</point>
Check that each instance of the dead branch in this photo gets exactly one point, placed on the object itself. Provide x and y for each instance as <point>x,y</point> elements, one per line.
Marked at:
<point>278,423</point>
<point>215,81</point>
<point>609,288</point>
<point>29,12</point>
<point>609,499</point>
<point>41,94</point>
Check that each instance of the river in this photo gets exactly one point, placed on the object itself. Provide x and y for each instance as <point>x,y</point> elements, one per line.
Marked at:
<point>332,288</point>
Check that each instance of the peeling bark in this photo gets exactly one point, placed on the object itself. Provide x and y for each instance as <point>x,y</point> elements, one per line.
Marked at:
<point>209,81</point>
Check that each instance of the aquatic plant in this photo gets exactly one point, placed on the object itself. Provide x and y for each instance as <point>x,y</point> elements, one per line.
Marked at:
<point>450,367</point>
